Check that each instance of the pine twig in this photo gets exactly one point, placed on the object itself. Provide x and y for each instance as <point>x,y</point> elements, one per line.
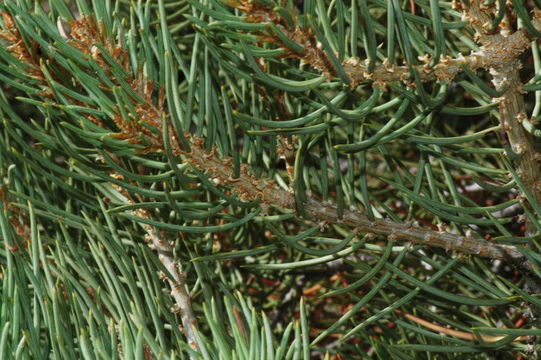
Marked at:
<point>506,77</point>
<point>498,52</point>
<point>250,189</point>
<point>303,36</point>
<point>176,280</point>
<point>455,333</point>
<point>410,232</point>
<point>85,32</point>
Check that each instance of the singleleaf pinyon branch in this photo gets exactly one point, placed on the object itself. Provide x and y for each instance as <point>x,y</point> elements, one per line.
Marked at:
<point>249,188</point>
<point>299,41</point>
<point>499,53</point>
<point>18,48</point>
<point>497,50</point>
<point>140,118</point>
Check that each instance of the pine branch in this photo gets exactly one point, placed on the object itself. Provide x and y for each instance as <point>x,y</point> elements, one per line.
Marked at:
<point>299,41</point>
<point>497,51</point>
<point>84,35</point>
<point>175,277</point>
<point>81,75</point>
<point>506,77</point>
<point>249,188</point>
<point>19,49</point>
<point>176,281</point>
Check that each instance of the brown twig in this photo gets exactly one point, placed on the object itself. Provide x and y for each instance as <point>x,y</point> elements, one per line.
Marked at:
<point>250,188</point>
<point>85,35</point>
<point>176,277</point>
<point>455,333</point>
<point>506,77</point>
<point>176,280</point>
<point>497,51</point>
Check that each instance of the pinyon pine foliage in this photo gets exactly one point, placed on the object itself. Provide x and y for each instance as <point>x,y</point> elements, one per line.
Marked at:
<point>270,179</point>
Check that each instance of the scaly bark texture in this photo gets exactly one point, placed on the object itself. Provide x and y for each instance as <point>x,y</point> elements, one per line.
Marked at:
<point>249,189</point>
<point>176,280</point>
<point>505,49</point>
